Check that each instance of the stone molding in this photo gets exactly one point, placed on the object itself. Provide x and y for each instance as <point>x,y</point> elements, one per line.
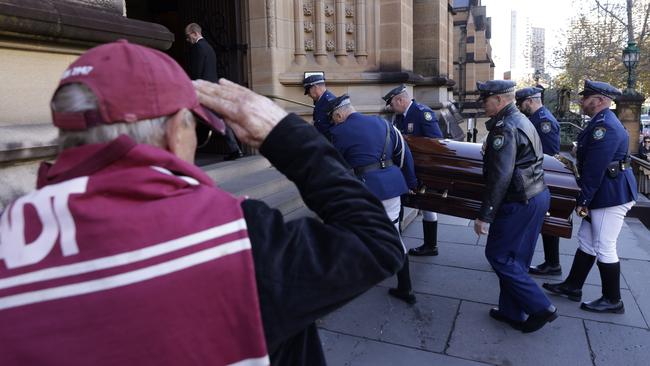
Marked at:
<point>69,24</point>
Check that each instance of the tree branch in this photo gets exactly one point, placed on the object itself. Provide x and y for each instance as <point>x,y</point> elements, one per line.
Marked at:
<point>610,12</point>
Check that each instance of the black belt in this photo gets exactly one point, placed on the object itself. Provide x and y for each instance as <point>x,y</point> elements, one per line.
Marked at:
<point>370,167</point>
<point>383,162</point>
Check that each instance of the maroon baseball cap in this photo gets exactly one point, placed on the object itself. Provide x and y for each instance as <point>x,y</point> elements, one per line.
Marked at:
<point>131,83</point>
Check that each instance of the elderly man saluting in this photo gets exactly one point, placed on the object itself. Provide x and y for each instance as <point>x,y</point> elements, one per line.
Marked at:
<point>127,254</point>
<point>513,208</point>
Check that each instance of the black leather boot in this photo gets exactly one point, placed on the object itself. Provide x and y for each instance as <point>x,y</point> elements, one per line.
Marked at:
<point>551,265</point>
<point>404,290</point>
<point>610,302</point>
<point>572,285</point>
<point>430,245</point>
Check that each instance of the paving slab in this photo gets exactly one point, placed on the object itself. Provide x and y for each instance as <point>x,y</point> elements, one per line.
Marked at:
<point>478,337</point>
<point>447,233</point>
<point>341,349</point>
<point>459,283</point>
<point>376,315</point>
<point>453,255</point>
<point>636,274</point>
<point>617,345</point>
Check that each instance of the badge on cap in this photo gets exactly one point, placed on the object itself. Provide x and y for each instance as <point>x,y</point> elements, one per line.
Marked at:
<point>545,127</point>
<point>497,142</point>
<point>428,116</point>
<point>599,133</point>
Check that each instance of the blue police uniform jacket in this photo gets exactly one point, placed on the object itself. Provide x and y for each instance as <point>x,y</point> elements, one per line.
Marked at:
<point>605,140</point>
<point>420,120</point>
<point>548,130</point>
<point>361,139</point>
<point>321,119</point>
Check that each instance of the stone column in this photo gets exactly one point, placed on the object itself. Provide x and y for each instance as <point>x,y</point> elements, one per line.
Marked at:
<point>361,53</point>
<point>320,52</point>
<point>396,35</point>
<point>628,109</point>
<point>341,54</point>
<point>300,56</point>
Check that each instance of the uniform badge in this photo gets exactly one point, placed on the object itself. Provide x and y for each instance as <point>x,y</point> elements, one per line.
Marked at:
<point>545,127</point>
<point>428,116</point>
<point>409,128</point>
<point>599,133</point>
<point>497,142</point>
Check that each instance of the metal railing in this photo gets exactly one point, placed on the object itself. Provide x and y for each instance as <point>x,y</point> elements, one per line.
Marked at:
<point>289,100</point>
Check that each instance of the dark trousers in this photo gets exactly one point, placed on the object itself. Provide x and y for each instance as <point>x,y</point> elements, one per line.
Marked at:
<point>509,250</point>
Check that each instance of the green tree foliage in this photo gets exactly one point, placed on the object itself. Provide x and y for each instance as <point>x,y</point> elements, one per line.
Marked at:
<point>595,42</point>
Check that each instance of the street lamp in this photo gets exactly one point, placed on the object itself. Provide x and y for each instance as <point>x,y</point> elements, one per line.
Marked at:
<point>630,60</point>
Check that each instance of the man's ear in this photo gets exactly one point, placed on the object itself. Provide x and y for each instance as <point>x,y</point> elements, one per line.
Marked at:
<point>174,131</point>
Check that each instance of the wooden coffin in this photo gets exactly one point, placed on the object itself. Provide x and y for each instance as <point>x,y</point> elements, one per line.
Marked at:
<point>452,176</point>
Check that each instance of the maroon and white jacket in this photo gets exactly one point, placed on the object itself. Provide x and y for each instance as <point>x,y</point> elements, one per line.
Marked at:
<point>114,261</point>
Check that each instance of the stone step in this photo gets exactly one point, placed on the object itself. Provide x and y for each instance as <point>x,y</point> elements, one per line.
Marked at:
<point>258,184</point>
<point>228,170</point>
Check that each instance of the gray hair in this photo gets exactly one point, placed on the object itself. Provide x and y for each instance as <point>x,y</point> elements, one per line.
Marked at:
<point>77,98</point>
<point>193,27</point>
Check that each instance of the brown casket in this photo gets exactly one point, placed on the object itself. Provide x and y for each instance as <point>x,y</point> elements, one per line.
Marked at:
<point>452,176</point>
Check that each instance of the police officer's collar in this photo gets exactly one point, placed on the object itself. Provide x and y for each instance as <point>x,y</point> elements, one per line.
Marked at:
<point>408,107</point>
<point>505,111</point>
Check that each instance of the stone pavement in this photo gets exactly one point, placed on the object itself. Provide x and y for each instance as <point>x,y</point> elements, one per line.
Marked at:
<point>449,325</point>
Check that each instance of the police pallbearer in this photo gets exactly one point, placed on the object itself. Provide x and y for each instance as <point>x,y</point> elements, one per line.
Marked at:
<point>413,118</point>
<point>317,90</point>
<point>514,203</point>
<point>376,152</point>
<point>529,101</point>
<point>607,191</point>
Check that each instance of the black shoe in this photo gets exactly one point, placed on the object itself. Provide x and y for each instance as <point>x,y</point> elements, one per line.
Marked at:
<point>565,290</point>
<point>234,156</point>
<point>603,305</point>
<point>407,297</point>
<point>424,250</point>
<point>536,321</point>
<point>497,315</point>
<point>545,269</point>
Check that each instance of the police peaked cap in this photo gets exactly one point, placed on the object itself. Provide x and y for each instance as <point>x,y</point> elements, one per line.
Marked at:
<point>337,103</point>
<point>601,88</point>
<point>312,80</point>
<point>393,92</point>
<point>530,92</point>
<point>494,87</point>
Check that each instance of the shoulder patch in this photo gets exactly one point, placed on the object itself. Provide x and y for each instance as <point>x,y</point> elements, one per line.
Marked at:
<point>599,133</point>
<point>497,142</point>
<point>545,127</point>
<point>428,116</point>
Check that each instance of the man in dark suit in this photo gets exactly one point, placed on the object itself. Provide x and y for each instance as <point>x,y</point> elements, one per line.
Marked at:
<point>203,65</point>
<point>203,60</point>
